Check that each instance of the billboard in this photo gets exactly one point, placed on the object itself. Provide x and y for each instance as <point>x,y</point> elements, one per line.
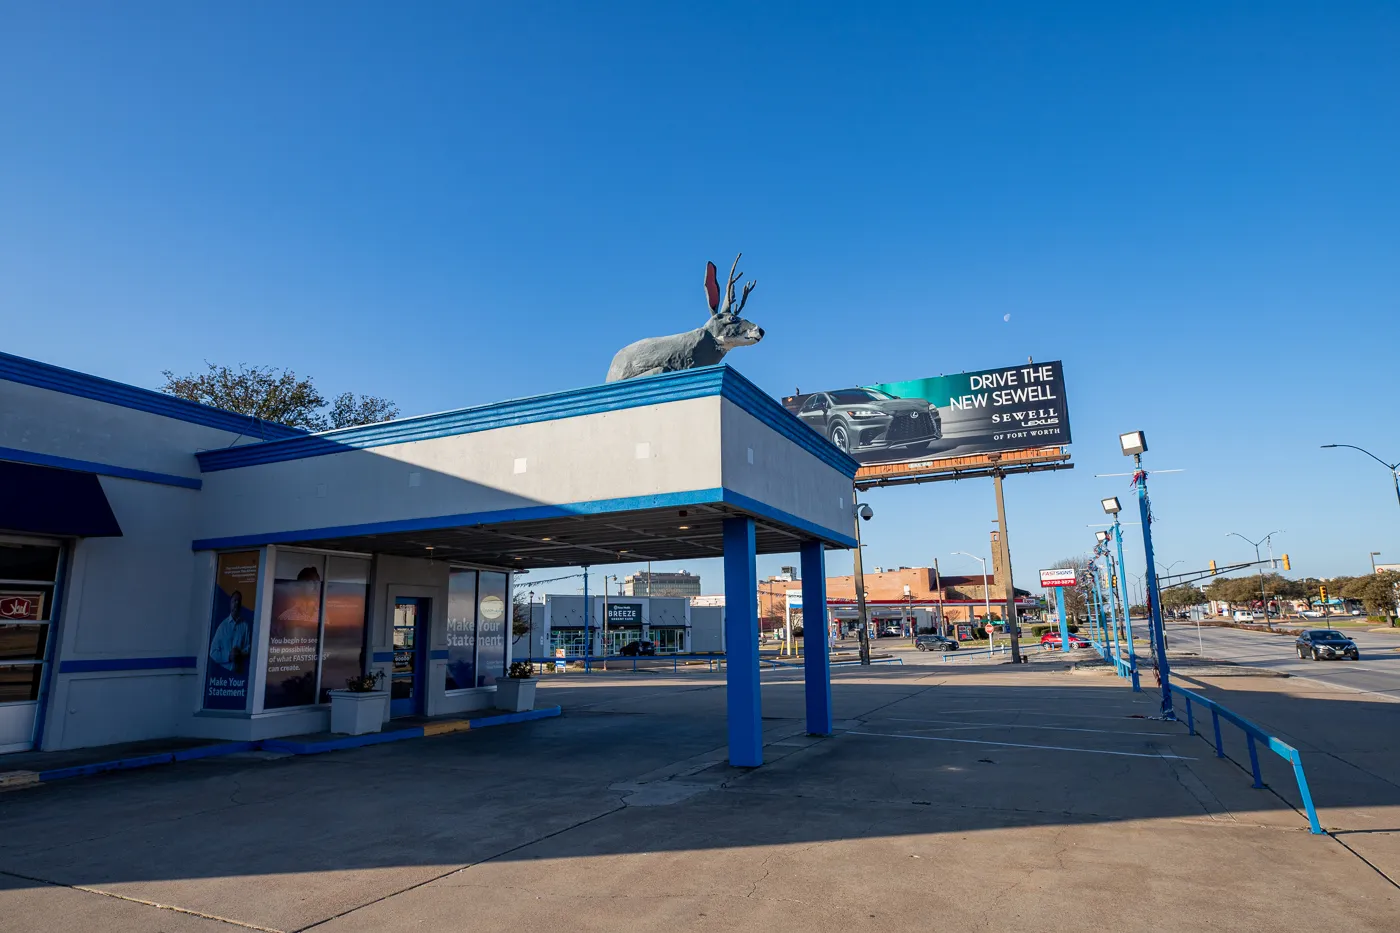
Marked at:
<point>1067,576</point>
<point>989,411</point>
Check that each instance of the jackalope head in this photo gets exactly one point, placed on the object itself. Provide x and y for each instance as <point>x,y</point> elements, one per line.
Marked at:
<point>725,324</point>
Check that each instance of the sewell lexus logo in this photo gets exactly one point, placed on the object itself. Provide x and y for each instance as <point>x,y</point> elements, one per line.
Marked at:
<point>18,607</point>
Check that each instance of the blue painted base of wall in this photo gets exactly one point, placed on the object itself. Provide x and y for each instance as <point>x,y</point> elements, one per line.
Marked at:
<point>291,746</point>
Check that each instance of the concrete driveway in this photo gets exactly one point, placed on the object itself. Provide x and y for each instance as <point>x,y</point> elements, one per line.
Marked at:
<point>952,798</point>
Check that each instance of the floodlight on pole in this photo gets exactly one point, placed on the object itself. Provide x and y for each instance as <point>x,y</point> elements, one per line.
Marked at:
<point>1111,506</point>
<point>1134,445</point>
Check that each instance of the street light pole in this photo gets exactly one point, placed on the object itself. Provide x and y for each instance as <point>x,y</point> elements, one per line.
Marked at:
<point>1394,468</point>
<point>1112,507</point>
<point>1263,599</point>
<point>1134,444</point>
<point>986,598</point>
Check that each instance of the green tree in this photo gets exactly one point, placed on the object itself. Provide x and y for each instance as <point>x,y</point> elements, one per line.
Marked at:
<point>1377,593</point>
<point>277,395</point>
<point>1075,605</point>
<point>1182,597</point>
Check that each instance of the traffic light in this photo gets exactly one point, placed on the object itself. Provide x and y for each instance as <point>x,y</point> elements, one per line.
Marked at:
<point>1286,564</point>
<point>1322,591</point>
<point>1212,567</point>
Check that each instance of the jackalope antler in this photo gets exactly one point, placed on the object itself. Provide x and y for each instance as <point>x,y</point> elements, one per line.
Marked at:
<point>728,306</point>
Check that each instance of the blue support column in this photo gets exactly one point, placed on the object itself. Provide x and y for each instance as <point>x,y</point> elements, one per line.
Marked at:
<point>816,647</point>
<point>741,644</point>
<point>1123,588</point>
<point>1064,622</point>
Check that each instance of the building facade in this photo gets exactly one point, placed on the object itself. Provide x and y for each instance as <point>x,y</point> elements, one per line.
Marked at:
<point>647,583</point>
<point>169,569</point>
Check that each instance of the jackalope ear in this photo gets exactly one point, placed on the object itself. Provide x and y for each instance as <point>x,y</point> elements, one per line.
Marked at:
<point>712,287</point>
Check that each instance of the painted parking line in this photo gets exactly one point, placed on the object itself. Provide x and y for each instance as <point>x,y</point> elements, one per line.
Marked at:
<point>1051,748</point>
<point>1008,725</point>
<point>1031,712</point>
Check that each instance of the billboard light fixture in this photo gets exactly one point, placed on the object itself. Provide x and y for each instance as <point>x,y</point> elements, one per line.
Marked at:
<point>1111,506</point>
<point>1133,443</point>
<point>1101,536</point>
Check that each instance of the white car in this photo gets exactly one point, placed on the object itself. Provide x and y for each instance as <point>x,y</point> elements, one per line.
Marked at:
<point>1310,614</point>
<point>1243,615</point>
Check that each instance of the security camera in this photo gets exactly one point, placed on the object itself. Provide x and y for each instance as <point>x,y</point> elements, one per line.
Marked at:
<point>866,512</point>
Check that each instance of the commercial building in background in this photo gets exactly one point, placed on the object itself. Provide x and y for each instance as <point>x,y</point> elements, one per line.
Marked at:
<point>646,583</point>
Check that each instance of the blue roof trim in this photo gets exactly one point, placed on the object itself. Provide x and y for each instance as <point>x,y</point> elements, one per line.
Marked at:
<point>70,382</point>
<point>612,396</point>
<point>103,469</point>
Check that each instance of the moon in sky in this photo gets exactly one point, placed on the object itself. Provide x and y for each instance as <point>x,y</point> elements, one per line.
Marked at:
<point>1006,317</point>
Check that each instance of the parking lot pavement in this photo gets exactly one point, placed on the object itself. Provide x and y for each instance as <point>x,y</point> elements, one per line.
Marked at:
<point>951,798</point>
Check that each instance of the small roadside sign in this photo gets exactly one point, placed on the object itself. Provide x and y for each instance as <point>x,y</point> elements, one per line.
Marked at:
<point>1067,576</point>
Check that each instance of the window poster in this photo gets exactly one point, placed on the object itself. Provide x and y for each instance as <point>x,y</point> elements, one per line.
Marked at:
<point>343,639</point>
<point>492,603</point>
<point>461,630</point>
<point>231,631</point>
<point>294,631</point>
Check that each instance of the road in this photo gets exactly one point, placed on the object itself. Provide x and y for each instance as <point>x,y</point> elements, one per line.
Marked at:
<point>1378,671</point>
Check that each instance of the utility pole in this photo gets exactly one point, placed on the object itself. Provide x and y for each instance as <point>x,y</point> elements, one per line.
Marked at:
<point>938,588</point>
<point>860,587</point>
<point>1011,625</point>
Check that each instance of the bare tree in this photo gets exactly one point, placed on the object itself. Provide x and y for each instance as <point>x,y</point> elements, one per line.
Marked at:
<point>276,395</point>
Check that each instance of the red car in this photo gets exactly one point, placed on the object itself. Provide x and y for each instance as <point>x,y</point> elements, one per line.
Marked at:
<point>1052,640</point>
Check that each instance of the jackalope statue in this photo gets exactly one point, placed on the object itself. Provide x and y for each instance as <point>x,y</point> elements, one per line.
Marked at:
<point>703,346</point>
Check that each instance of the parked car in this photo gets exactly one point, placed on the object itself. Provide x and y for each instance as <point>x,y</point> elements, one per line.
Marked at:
<point>892,630</point>
<point>1323,643</point>
<point>636,648</point>
<point>858,420</point>
<point>935,643</point>
<point>1310,614</point>
<point>1243,615</point>
<point>1052,640</point>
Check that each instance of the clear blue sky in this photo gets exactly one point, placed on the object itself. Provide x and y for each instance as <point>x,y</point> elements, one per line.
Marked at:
<point>1194,207</point>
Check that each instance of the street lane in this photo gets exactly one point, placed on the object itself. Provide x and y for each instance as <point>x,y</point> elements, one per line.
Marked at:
<point>1378,671</point>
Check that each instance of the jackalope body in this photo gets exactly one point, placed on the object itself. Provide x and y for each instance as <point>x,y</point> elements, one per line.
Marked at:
<point>703,346</point>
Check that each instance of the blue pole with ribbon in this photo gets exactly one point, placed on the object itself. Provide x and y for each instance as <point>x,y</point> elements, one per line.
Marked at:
<point>1064,623</point>
<point>1159,642</point>
<point>1123,589</point>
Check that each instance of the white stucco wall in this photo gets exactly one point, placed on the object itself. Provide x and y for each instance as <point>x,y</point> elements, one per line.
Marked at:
<point>634,452</point>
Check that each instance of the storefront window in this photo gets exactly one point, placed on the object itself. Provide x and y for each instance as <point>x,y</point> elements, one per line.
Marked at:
<point>231,631</point>
<point>461,629</point>
<point>570,639</point>
<point>343,638</point>
<point>668,640</point>
<point>493,606</point>
<point>294,630</point>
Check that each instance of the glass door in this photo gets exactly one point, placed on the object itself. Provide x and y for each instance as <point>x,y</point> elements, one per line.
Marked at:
<point>408,683</point>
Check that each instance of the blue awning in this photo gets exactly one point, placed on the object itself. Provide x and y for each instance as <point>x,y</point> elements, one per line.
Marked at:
<point>48,501</point>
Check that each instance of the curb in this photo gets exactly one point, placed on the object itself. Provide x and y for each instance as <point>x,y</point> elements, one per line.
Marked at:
<point>15,779</point>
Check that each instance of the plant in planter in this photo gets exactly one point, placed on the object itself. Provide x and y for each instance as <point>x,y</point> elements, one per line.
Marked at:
<point>362,706</point>
<point>517,691</point>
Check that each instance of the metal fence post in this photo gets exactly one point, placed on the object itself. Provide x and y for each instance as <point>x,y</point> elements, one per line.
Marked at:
<point>1215,719</point>
<point>1254,760</point>
<point>1190,717</point>
<point>1303,790</point>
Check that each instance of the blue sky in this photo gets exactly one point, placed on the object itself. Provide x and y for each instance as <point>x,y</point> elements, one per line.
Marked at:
<point>1195,208</point>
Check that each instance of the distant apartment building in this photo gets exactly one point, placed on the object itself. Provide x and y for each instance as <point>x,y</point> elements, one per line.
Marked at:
<point>642,583</point>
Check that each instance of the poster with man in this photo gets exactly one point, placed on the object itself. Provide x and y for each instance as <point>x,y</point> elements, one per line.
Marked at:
<point>231,631</point>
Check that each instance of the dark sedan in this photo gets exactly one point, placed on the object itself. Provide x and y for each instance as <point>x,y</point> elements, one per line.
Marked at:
<point>935,643</point>
<point>638,648</point>
<point>861,420</point>
<point>1323,644</point>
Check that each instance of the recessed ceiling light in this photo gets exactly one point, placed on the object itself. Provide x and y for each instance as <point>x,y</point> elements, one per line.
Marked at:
<point>546,538</point>
<point>684,527</point>
<point>520,558</point>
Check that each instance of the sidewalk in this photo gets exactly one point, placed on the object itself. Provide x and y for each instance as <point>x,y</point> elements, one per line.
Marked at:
<point>952,797</point>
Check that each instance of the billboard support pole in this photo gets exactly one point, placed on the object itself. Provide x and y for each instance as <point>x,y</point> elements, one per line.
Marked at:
<point>1011,623</point>
<point>860,587</point>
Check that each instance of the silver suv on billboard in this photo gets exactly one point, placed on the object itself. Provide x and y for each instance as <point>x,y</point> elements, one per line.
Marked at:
<point>861,420</point>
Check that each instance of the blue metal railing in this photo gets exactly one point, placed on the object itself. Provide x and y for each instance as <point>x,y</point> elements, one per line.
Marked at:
<point>713,661</point>
<point>1253,735</point>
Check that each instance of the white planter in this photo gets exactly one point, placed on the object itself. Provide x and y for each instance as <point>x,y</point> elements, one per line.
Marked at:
<point>358,713</point>
<point>516,694</point>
